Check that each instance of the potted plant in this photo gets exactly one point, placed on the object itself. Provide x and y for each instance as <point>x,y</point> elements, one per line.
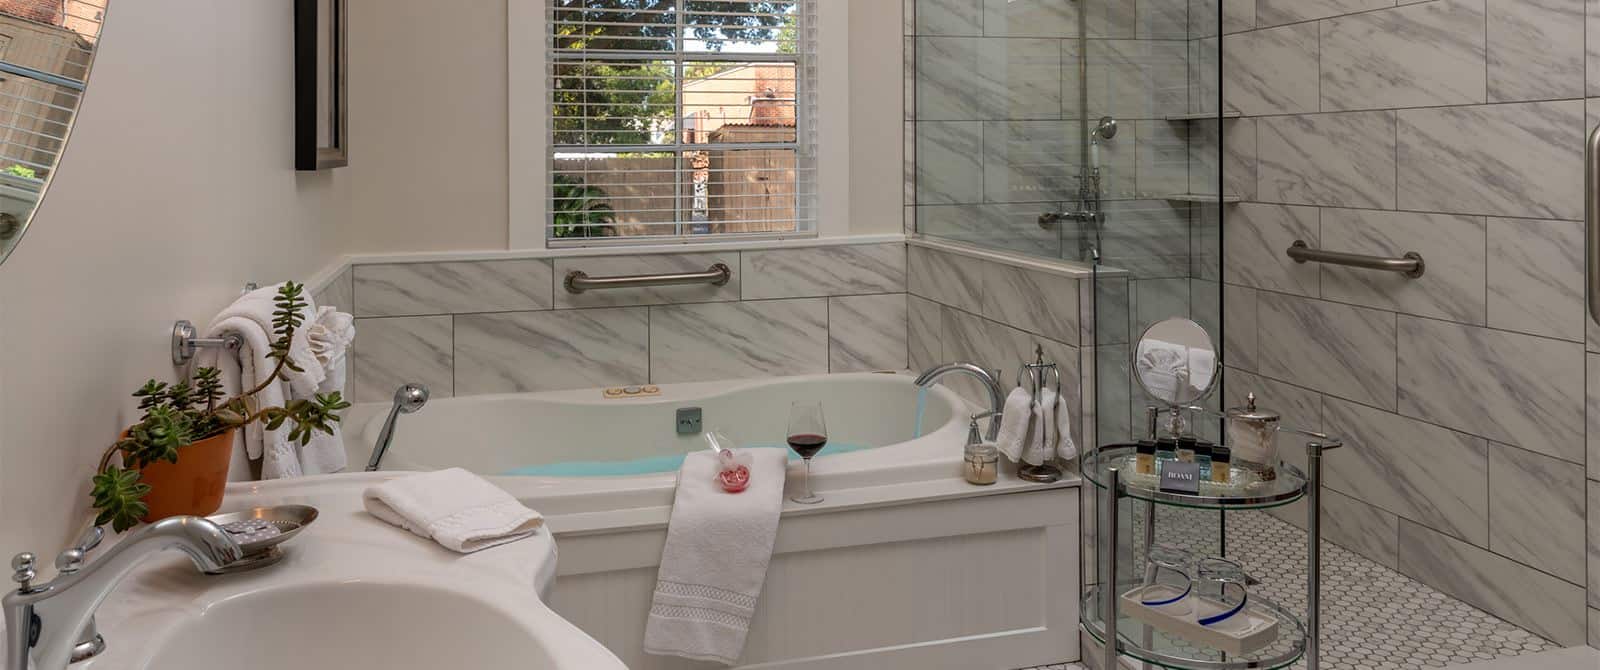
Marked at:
<point>197,421</point>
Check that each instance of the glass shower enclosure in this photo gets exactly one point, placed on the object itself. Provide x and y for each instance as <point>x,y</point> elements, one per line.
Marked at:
<point>1087,132</point>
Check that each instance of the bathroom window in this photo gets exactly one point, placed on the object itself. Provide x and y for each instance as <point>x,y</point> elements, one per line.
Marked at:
<point>680,119</point>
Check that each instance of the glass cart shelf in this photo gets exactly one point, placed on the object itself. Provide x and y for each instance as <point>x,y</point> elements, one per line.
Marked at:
<point>1151,645</point>
<point>1248,491</point>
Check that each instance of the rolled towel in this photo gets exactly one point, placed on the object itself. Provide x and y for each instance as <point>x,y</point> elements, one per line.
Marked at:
<point>714,563</point>
<point>459,510</point>
<point>1014,423</point>
<point>1163,370</point>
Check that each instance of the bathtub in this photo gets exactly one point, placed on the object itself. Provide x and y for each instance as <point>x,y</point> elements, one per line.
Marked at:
<point>904,564</point>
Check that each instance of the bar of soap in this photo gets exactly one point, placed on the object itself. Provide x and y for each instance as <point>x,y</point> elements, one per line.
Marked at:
<point>250,531</point>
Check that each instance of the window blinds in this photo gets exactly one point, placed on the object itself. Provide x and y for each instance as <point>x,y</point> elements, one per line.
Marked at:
<point>675,118</point>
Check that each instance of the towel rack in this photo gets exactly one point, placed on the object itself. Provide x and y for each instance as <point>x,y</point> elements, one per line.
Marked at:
<point>579,281</point>
<point>186,341</point>
<point>1045,472</point>
<point>1410,264</point>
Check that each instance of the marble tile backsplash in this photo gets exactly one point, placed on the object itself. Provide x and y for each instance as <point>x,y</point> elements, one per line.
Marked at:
<point>1454,129</point>
<point>503,326</point>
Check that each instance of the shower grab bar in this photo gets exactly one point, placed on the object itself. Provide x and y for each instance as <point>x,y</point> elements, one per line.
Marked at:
<point>579,281</point>
<point>1591,219</point>
<point>1410,264</point>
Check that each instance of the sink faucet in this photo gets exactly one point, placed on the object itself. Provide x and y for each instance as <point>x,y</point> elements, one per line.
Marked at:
<point>46,624</point>
<point>997,398</point>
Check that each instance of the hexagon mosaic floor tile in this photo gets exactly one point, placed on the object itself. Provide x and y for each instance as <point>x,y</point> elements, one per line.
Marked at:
<point>1373,618</point>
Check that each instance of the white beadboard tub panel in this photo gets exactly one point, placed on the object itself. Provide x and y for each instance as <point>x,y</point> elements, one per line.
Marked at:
<point>977,582</point>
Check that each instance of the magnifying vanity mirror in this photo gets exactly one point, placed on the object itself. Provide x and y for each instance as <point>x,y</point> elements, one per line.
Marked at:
<point>1175,362</point>
<point>46,50</point>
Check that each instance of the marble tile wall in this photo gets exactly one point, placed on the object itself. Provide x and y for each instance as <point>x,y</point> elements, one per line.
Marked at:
<point>995,117</point>
<point>994,313</point>
<point>1452,128</point>
<point>504,326</point>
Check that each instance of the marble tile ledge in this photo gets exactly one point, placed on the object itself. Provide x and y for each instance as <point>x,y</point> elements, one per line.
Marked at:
<point>1064,268</point>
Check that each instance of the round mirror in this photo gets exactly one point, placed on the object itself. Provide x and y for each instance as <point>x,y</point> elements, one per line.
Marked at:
<point>1175,362</point>
<point>46,50</point>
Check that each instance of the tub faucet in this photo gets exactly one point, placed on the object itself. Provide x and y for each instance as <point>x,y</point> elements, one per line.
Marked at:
<point>50,625</point>
<point>997,398</point>
<point>407,399</point>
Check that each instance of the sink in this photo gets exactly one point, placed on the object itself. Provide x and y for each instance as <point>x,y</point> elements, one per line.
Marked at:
<point>366,624</point>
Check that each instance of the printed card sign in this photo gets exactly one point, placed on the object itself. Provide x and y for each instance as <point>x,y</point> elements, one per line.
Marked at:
<point>1180,477</point>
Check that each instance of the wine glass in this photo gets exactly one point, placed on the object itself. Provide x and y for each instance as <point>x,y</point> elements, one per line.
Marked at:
<point>808,433</point>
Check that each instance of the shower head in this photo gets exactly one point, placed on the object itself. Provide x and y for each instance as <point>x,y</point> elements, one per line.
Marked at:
<point>1106,129</point>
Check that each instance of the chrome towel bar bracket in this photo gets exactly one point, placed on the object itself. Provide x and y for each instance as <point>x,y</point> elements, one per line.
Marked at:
<point>186,340</point>
<point>579,281</point>
<point>1410,264</point>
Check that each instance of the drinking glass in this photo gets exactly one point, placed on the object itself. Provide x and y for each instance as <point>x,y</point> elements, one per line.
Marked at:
<point>808,434</point>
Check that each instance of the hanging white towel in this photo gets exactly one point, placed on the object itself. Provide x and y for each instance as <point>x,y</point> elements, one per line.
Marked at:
<point>329,337</point>
<point>1164,369</point>
<point>1042,441</point>
<point>1065,448</point>
<point>1014,423</point>
<point>715,560</point>
<point>460,510</point>
<point>250,317</point>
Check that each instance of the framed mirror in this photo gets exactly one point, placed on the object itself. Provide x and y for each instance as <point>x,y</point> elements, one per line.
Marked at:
<point>1176,362</point>
<point>46,52</point>
<point>320,108</point>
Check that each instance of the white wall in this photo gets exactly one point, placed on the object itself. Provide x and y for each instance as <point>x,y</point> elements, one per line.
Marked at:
<point>429,117</point>
<point>176,188</point>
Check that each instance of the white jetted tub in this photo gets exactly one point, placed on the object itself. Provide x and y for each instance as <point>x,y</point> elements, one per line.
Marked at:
<point>904,564</point>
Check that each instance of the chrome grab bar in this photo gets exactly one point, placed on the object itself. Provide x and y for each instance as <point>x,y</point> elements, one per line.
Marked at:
<point>1591,218</point>
<point>579,281</point>
<point>1410,264</point>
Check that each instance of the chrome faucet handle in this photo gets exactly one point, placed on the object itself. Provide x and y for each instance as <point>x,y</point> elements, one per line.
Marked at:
<point>71,559</point>
<point>22,570</point>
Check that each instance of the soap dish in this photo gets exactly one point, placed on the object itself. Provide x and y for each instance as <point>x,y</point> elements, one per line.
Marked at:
<point>1247,632</point>
<point>259,531</point>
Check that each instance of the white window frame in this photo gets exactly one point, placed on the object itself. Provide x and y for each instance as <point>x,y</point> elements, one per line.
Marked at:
<point>530,127</point>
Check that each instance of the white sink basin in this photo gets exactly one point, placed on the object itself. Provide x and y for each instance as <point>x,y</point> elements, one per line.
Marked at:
<point>351,592</point>
<point>371,625</point>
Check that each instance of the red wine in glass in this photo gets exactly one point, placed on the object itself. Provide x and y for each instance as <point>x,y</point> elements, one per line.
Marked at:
<point>807,445</point>
<point>808,433</point>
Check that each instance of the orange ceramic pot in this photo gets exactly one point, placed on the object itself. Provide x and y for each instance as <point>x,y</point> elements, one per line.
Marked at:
<point>194,484</point>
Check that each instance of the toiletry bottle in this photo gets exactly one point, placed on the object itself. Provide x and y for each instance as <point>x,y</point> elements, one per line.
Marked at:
<point>1202,455</point>
<point>1186,446</point>
<point>1221,464</point>
<point>1145,458</point>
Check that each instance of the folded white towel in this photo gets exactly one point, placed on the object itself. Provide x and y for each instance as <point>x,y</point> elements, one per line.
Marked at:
<point>250,317</point>
<point>715,560</point>
<point>1014,423</point>
<point>458,509</point>
<point>1065,448</point>
<point>1202,365</point>
<point>329,338</point>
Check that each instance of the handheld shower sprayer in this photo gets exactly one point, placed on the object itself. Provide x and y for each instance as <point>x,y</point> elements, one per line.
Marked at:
<point>407,399</point>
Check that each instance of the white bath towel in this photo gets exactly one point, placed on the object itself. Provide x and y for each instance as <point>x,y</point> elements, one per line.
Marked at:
<point>459,510</point>
<point>250,317</point>
<point>715,560</point>
<point>1014,423</point>
<point>1065,448</point>
<point>329,338</point>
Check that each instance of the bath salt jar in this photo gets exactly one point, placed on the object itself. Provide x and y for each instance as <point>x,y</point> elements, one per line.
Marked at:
<point>981,465</point>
